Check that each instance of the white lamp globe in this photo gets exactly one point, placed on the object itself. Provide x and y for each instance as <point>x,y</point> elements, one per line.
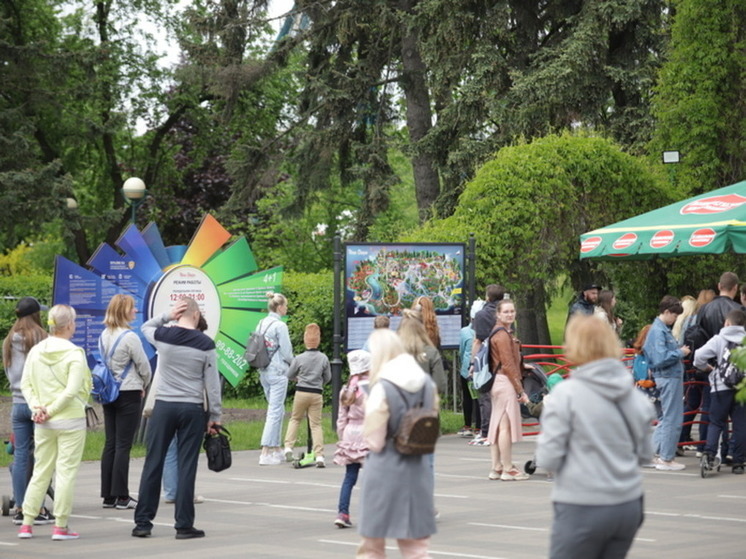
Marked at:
<point>133,188</point>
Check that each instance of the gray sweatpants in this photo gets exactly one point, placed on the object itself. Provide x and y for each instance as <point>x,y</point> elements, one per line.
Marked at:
<point>594,531</point>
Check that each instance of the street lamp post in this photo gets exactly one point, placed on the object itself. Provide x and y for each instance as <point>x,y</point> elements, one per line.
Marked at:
<point>134,192</point>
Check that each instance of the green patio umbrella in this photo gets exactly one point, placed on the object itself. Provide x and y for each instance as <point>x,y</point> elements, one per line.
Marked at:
<point>710,223</point>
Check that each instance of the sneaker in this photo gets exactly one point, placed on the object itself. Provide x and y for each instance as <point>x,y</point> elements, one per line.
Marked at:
<point>25,532</point>
<point>62,534</point>
<point>689,447</point>
<point>481,442</point>
<point>189,533</point>
<point>477,438</point>
<point>495,474</point>
<point>514,474</point>
<point>289,455</point>
<point>272,459</point>
<point>680,452</point>
<point>670,466</point>
<point>320,463</point>
<point>343,521</point>
<point>44,517</point>
<point>110,503</point>
<point>199,499</point>
<point>465,432</point>
<point>653,463</point>
<point>698,454</point>
<point>126,503</point>
<point>18,518</point>
<point>169,501</point>
<point>738,470</point>
<point>141,531</point>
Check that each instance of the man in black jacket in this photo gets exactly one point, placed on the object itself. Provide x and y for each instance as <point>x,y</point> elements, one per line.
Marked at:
<point>712,315</point>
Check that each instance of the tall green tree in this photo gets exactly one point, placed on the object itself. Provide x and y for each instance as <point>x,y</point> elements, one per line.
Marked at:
<point>699,104</point>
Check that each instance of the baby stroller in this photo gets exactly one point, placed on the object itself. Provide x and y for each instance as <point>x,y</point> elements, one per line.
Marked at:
<point>536,405</point>
<point>9,503</point>
<point>534,385</point>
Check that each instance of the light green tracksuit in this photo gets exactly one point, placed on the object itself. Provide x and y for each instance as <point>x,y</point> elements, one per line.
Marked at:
<point>56,376</point>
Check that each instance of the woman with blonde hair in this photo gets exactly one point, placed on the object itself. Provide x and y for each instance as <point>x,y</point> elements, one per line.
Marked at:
<point>131,367</point>
<point>684,320</point>
<point>274,377</point>
<point>397,495</point>
<point>595,435</point>
<point>506,395</point>
<point>25,333</point>
<point>425,307</point>
<point>418,344</point>
<point>56,384</point>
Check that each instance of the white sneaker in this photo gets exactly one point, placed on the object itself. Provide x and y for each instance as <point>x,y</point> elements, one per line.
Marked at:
<point>320,463</point>
<point>669,466</point>
<point>288,454</point>
<point>272,459</point>
<point>653,463</point>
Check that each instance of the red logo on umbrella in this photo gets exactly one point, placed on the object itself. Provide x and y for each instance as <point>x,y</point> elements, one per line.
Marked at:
<point>662,239</point>
<point>702,237</point>
<point>625,241</point>
<point>589,244</point>
<point>714,204</point>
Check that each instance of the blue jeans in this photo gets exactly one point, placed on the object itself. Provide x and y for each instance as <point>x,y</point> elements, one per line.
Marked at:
<point>275,389</point>
<point>23,430</point>
<point>666,436</point>
<point>171,471</point>
<point>722,405</point>
<point>351,473</point>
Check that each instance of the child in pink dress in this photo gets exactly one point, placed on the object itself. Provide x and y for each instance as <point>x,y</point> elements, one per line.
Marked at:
<point>351,447</point>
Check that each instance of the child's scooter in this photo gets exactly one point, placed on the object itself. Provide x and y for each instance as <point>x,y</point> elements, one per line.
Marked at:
<point>308,458</point>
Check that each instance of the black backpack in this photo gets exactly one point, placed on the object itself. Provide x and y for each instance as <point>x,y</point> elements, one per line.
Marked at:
<point>726,372</point>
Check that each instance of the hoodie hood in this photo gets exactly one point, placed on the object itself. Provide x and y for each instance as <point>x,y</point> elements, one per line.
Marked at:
<point>608,377</point>
<point>404,371</point>
<point>733,334</point>
<point>52,350</point>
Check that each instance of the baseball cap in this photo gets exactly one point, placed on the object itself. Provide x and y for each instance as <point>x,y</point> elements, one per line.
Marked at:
<point>27,306</point>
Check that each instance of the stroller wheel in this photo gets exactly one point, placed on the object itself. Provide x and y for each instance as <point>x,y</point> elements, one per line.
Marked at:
<point>529,467</point>
<point>6,505</point>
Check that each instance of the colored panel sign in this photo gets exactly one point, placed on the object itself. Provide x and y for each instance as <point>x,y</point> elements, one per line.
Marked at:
<point>386,279</point>
<point>157,277</point>
<point>235,261</point>
<point>210,236</point>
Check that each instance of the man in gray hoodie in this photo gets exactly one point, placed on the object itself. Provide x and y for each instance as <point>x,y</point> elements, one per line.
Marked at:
<point>722,398</point>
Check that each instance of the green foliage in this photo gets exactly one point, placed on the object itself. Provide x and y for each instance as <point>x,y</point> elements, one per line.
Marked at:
<point>528,206</point>
<point>699,104</point>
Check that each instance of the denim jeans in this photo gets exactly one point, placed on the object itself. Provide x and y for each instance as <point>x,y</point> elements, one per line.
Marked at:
<point>722,406</point>
<point>666,436</point>
<point>351,473</point>
<point>171,471</point>
<point>23,431</point>
<point>275,389</point>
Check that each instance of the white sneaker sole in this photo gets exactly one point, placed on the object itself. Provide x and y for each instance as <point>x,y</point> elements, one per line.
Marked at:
<point>25,535</point>
<point>62,538</point>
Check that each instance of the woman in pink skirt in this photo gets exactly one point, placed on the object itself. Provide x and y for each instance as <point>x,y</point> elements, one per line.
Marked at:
<point>507,393</point>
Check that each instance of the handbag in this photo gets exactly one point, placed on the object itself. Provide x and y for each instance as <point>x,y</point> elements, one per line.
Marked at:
<point>218,449</point>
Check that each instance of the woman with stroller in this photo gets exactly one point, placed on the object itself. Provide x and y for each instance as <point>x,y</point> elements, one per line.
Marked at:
<point>595,434</point>
<point>131,367</point>
<point>506,393</point>
<point>25,333</point>
<point>56,384</point>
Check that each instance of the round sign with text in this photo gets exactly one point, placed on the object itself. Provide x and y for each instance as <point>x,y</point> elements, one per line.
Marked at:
<point>662,239</point>
<point>702,237</point>
<point>625,241</point>
<point>590,244</point>
<point>713,204</point>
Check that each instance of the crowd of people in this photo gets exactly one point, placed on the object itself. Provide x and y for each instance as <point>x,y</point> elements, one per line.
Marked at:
<point>597,494</point>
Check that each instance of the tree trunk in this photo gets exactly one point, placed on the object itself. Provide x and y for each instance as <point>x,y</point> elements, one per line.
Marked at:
<point>419,115</point>
<point>532,317</point>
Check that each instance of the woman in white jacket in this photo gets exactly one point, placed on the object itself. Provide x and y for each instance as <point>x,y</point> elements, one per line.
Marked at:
<point>595,434</point>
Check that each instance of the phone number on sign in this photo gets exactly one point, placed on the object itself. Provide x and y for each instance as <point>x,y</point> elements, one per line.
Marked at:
<point>230,354</point>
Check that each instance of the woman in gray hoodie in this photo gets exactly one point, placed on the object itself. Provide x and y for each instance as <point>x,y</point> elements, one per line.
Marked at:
<point>595,434</point>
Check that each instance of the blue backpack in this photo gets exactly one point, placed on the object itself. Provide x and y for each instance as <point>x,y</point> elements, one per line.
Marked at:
<point>640,367</point>
<point>482,377</point>
<point>105,385</point>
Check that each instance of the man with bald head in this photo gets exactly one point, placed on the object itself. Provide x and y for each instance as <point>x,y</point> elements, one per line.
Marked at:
<point>188,369</point>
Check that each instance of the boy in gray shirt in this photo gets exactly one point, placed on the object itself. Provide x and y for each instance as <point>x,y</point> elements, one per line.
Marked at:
<point>311,371</point>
